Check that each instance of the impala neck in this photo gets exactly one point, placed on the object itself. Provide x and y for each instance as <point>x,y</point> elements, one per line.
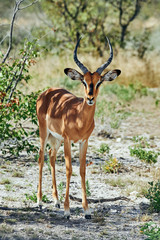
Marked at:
<point>88,111</point>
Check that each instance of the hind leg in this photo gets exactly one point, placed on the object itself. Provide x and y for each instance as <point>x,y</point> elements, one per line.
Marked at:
<point>55,144</point>
<point>43,142</point>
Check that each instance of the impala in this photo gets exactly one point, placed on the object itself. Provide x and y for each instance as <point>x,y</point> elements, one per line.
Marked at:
<point>64,117</point>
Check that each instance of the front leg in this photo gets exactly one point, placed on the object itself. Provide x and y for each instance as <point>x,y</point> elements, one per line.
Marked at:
<point>67,153</point>
<point>82,158</point>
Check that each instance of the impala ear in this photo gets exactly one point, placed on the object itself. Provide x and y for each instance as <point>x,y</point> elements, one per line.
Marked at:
<point>111,75</point>
<point>73,74</point>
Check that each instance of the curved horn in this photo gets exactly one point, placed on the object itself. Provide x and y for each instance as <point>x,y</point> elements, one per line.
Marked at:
<point>80,65</point>
<point>103,66</point>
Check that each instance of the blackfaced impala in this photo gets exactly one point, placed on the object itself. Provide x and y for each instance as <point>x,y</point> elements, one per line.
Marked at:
<point>64,117</point>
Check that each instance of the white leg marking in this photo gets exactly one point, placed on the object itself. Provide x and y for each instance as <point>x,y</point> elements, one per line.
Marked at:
<point>81,144</point>
<point>87,212</point>
<point>39,202</point>
<point>56,135</point>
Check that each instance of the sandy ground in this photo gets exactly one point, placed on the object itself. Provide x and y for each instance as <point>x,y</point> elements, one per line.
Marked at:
<point>114,219</point>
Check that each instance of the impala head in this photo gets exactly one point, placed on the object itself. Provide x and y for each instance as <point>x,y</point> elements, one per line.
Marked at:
<point>92,81</point>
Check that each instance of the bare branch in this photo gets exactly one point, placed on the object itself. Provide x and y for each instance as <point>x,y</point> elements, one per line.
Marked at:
<point>18,78</point>
<point>29,5</point>
<point>124,10</point>
<point>16,9</point>
<point>136,11</point>
<point>114,4</point>
<point>69,13</point>
<point>11,34</point>
<point>120,12</point>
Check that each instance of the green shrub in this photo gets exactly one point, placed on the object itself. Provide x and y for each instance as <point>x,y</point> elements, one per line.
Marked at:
<point>144,155</point>
<point>151,230</point>
<point>33,197</point>
<point>16,107</point>
<point>154,196</point>
<point>139,150</point>
<point>104,148</point>
<point>112,165</point>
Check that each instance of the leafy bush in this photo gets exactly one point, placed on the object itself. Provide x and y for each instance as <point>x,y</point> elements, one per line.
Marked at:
<point>151,230</point>
<point>154,196</point>
<point>33,197</point>
<point>16,107</point>
<point>112,165</point>
<point>104,148</point>
<point>147,156</point>
<point>15,136</point>
<point>139,150</point>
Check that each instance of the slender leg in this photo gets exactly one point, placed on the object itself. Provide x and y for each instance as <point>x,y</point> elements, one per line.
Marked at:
<point>43,140</point>
<point>82,157</point>
<point>52,155</point>
<point>67,153</point>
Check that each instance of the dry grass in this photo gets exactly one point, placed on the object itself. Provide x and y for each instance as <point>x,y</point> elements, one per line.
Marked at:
<point>145,218</point>
<point>133,183</point>
<point>49,70</point>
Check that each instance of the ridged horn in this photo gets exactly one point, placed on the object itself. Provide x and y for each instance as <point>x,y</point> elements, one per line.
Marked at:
<point>103,66</point>
<point>80,65</point>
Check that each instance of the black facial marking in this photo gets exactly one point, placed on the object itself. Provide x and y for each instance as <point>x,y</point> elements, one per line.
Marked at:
<point>99,84</point>
<point>84,84</point>
<point>90,89</point>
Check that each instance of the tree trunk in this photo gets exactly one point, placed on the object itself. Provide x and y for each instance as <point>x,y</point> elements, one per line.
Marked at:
<point>123,33</point>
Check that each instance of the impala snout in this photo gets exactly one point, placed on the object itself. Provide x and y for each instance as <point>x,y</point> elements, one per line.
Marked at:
<point>90,101</point>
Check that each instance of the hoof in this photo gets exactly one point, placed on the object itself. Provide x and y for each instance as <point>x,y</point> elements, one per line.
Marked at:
<point>39,204</point>
<point>67,217</point>
<point>39,207</point>
<point>67,214</point>
<point>57,205</point>
<point>87,216</point>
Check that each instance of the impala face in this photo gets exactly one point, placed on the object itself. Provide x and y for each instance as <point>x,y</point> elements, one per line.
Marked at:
<point>92,81</point>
